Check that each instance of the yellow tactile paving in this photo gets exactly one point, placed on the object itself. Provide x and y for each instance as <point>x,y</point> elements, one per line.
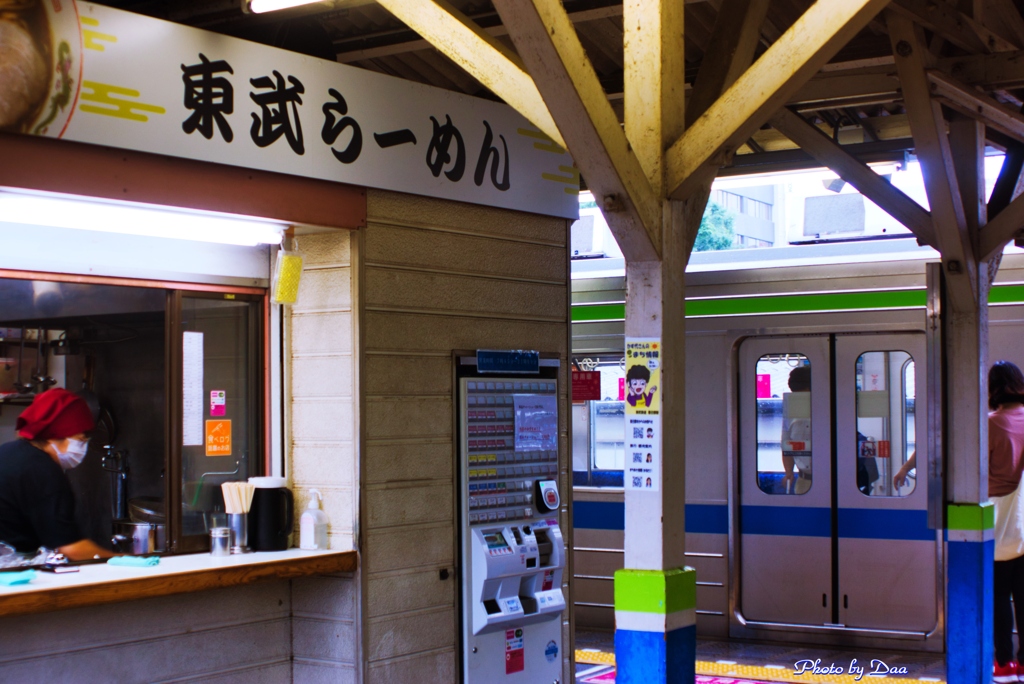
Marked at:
<point>592,656</point>
<point>757,672</point>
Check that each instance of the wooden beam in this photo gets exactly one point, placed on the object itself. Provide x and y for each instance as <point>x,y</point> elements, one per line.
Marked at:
<point>1000,230</point>
<point>1010,181</point>
<point>954,26</point>
<point>1006,208</point>
<point>654,80</point>
<point>767,85</point>
<point>932,147</point>
<point>1001,70</point>
<point>736,35</point>
<point>693,213</point>
<point>879,83</point>
<point>971,103</point>
<point>550,48</point>
<point>967,146</point>
<point>403,46</point>
<point>1002,17</point>
<point>858,174</point>
<point>481,55</point>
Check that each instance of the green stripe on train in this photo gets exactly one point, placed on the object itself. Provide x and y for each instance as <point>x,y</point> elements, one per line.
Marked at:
<point>837,301</point>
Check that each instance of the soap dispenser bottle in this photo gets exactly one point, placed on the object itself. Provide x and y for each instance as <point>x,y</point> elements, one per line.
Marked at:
<point>313,525</point>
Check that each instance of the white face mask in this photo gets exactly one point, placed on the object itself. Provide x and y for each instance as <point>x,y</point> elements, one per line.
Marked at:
<point>75,454</point>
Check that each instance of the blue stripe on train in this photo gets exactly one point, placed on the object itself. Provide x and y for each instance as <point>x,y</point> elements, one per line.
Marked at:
<point>598,478</point>
<point>611,515</point>
<point>854,523</point>
<point>786,521</point>
<point>862,523</point>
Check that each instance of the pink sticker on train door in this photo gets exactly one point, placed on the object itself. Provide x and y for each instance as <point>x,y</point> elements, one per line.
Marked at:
<point>764,386</point>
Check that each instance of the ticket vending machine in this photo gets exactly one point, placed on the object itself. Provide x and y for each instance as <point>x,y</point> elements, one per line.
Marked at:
<point>511,548</point>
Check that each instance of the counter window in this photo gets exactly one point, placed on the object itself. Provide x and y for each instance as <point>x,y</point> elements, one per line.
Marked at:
<point>221,407</point>
<point>175,379</point>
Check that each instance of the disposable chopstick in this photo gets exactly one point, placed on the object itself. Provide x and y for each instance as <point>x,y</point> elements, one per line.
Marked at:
<point>238,496</point>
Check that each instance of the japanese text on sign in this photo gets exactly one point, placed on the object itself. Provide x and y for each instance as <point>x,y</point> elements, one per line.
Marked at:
<point>218,438</point>
<point>643,419</point>
<point>127,81</point>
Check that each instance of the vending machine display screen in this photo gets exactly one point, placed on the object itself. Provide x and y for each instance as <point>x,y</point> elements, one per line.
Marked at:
<point>496,543</point>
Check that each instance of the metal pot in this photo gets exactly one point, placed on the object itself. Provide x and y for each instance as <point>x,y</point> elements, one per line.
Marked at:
<point>139,539</point>
<point>144,509</point>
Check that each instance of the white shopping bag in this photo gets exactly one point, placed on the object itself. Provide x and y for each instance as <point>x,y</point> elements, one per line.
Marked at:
<point>1009,532</point>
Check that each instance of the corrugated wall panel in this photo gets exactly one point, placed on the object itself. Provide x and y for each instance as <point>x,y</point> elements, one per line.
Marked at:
<point>322,452</point>
<point>240,634</point>
<point>436,276</point>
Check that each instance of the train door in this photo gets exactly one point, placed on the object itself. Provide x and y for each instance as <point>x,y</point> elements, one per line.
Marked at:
<point>826,536</point>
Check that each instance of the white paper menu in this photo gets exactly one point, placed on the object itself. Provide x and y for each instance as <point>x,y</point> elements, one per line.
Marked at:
<point>192,389</point>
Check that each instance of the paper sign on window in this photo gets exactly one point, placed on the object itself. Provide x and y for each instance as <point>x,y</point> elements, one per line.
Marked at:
<point>218,438</point>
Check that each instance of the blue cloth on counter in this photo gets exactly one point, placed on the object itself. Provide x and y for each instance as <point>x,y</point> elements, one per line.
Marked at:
<point>135,561</point>
<point>10,579</point>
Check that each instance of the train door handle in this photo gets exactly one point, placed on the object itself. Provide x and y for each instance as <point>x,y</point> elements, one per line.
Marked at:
<point>824,601</point>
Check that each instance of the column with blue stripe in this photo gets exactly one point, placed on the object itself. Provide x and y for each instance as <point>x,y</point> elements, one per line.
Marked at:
<point>656,626</point>
<point>969,619</point>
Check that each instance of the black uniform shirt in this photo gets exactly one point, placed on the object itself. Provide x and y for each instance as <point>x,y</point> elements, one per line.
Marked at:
<point>37,507</point>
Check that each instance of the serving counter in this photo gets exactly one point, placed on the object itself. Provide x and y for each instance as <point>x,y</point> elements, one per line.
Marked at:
<point>101,583</point>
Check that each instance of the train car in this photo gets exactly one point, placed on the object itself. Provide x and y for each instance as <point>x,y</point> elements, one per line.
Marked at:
<point>794,523</point>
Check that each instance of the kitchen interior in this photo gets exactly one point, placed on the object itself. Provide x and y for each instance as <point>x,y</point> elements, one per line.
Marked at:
<point>145,486</point>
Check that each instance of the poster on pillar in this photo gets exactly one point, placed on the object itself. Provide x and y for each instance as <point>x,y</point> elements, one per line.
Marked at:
<point>643,414</point>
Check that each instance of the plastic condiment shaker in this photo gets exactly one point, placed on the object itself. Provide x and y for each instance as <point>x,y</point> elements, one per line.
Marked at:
<point>313,525</point>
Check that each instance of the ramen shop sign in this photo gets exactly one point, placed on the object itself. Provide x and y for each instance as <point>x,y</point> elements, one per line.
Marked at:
<point>98,75</point>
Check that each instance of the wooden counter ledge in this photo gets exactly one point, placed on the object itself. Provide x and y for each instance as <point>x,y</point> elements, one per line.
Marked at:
<point>101,583</point>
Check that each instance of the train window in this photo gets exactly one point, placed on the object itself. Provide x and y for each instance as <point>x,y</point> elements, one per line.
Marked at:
<point>784,424</point>
<point>608,449</point>
<point>886,426</point>
<point>598,425</point>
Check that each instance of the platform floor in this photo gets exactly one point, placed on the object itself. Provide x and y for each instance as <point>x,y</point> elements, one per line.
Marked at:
<point>732,662</point>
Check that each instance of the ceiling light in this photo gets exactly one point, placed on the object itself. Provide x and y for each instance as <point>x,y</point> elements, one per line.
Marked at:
<point>40,210</point>
<point>261,6</point>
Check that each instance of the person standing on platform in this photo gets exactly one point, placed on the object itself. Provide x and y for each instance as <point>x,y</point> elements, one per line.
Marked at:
<point>1005,464</point>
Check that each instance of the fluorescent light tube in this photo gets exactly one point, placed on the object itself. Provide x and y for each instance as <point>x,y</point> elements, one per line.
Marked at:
<point>261,6</point>
<point>136,220</point>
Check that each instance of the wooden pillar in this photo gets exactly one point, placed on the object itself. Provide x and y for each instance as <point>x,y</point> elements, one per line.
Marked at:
<point>969,620</point>
<point>655,596</point>
<point>953,170</point>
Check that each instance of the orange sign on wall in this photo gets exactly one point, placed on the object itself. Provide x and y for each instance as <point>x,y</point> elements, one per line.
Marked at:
<point>218,438</point>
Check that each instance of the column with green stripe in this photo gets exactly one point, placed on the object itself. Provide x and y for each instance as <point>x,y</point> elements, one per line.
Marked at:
<point>969,566</point>
<point>655,625</point>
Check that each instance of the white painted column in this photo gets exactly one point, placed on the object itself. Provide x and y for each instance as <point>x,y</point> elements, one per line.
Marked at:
<point>655,594</point>
<point>655,307</point>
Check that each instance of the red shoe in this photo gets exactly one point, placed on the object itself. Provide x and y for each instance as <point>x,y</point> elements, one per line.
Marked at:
<point>1005,674</point>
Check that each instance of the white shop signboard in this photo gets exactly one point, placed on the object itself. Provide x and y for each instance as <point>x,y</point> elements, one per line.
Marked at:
<point>108,77</point>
